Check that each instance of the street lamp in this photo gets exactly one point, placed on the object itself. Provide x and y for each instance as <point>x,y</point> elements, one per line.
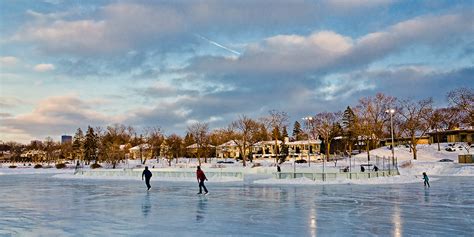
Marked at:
<point>308,124</point>
<point>391,112</point>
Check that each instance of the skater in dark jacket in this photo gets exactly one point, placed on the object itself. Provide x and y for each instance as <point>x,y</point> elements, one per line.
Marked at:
<point>147,174</point>
<point>200,178</point>
<point>425,177</point>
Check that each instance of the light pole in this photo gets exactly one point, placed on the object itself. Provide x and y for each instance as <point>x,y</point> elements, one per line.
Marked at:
<point>308,121</point>
<point>391,111</point>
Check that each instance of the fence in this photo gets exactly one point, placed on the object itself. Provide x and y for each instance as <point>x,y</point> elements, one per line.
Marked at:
<point>158,173</point>
<point>336,175</point>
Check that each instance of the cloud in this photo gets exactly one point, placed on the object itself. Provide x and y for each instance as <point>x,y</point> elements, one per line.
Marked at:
<point>120,27</point>
<point>55,116</point>
<point>43,67</point>
<point>348,5</point>
<point>8,61</point>
<point>327,51</point>
<point>10,102</point>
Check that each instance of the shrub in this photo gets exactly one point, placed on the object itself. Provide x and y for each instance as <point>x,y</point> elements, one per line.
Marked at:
<point>95,166</point>
<point>60,166</point>
<point>37,166</point>
<point>12,166</point>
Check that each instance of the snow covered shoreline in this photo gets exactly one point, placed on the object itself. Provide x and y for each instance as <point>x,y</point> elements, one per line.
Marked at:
<point>410,170</point>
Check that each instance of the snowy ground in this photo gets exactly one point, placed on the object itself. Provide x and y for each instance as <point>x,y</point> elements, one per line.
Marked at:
<point>410,170</point>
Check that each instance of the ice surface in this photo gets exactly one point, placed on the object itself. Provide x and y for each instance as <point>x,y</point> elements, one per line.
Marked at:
<point>40,205</point>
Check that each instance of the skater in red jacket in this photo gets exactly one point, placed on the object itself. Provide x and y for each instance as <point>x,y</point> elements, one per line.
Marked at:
<point>200,178</point>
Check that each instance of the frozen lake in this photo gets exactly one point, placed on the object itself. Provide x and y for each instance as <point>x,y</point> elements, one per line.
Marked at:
<point>40,205</point>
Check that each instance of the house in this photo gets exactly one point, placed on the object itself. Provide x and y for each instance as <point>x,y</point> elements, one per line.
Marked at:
<point>452,136</point>
<point>445,136</point>
<point>265,149</point>
<point>139,151</point>
<point>304,148</point>
<point>34,155</point>
<point>405,140</point>
<point>229,149</point>
<point>206,149</point>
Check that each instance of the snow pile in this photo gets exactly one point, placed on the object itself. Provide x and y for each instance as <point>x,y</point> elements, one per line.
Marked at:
<point>424,153</point>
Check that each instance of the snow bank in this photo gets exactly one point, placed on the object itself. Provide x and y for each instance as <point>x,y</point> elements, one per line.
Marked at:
<point>153,179</point>
<point>424,153</point>
<point>435,168</point>
<point>16,171</point>
<point>371,181</point>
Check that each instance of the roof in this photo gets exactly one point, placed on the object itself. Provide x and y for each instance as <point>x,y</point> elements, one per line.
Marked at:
<point>261,143</point>
<point>195,146</point>
<point>304,142</point>
<point>230,143</point>
<point>141,146</point>
<point>452,131</point>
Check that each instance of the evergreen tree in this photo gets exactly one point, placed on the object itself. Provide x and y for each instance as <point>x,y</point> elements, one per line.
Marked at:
<point>284,134</point>
<point>297,131</point>
<point>90,146</point>
<point>78,144</point>
<point>349,127</point>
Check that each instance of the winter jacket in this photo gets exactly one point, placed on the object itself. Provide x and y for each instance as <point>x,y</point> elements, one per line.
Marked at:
<point>200,175</point>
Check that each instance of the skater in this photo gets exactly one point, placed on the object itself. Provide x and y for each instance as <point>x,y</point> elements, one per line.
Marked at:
<point>147,174</point>
<point>278,169</point>
<point>425,177</point>
<point>200,178</point>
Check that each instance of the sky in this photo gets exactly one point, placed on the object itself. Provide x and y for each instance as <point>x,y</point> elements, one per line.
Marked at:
<point>169,64</point>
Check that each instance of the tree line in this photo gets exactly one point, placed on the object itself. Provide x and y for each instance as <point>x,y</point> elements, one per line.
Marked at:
<point>364,124</point>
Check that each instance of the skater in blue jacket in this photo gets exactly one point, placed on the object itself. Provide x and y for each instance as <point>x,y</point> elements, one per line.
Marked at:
<point>426,179</point>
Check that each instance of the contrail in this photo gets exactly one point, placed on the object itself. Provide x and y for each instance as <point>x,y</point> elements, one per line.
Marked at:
<point>217,44</point>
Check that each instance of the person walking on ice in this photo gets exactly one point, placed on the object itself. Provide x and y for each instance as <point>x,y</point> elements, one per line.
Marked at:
<point>426,179</point>
<point>147,174</point>
<point>200,178</point>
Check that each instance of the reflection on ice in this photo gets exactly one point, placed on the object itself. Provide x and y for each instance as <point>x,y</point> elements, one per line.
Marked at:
<point>34,204</point>
<point>146,205</point>
<point>397,222</point>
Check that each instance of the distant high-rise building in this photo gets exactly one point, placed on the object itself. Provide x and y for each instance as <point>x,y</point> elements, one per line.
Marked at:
<point>66,139</point>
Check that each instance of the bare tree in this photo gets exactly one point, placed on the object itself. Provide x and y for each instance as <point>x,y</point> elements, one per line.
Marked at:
<point>371,117</point>
<point>199,131</point>
<point>275,122</point>
<point>415,120</point>
<point>463,99</point>
<point>326,125</point>
<point>175,147</point>
<point>244,132</point>
<point>49,148</point>
<point>436,121</point>
<point>154,137</point>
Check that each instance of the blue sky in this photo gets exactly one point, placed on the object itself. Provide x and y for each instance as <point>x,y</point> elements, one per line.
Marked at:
<point>69,64</point>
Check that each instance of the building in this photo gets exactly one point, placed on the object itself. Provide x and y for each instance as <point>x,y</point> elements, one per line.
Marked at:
<point>301,149</point>
<point>66,139</point>
<point>452,136</point>
<point>265,149</point>
<point>206,150</point>
<point>140,151</point>
<point>446,136</point>
<point>229,149</point>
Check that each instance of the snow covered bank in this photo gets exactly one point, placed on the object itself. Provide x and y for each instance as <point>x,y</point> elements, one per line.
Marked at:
<point>436,168</point>
<point>371,181</point>
<point>153,179</point>
<point>16,171</point>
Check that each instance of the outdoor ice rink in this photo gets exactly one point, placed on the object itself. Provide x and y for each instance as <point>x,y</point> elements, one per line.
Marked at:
<point>41,205</point>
